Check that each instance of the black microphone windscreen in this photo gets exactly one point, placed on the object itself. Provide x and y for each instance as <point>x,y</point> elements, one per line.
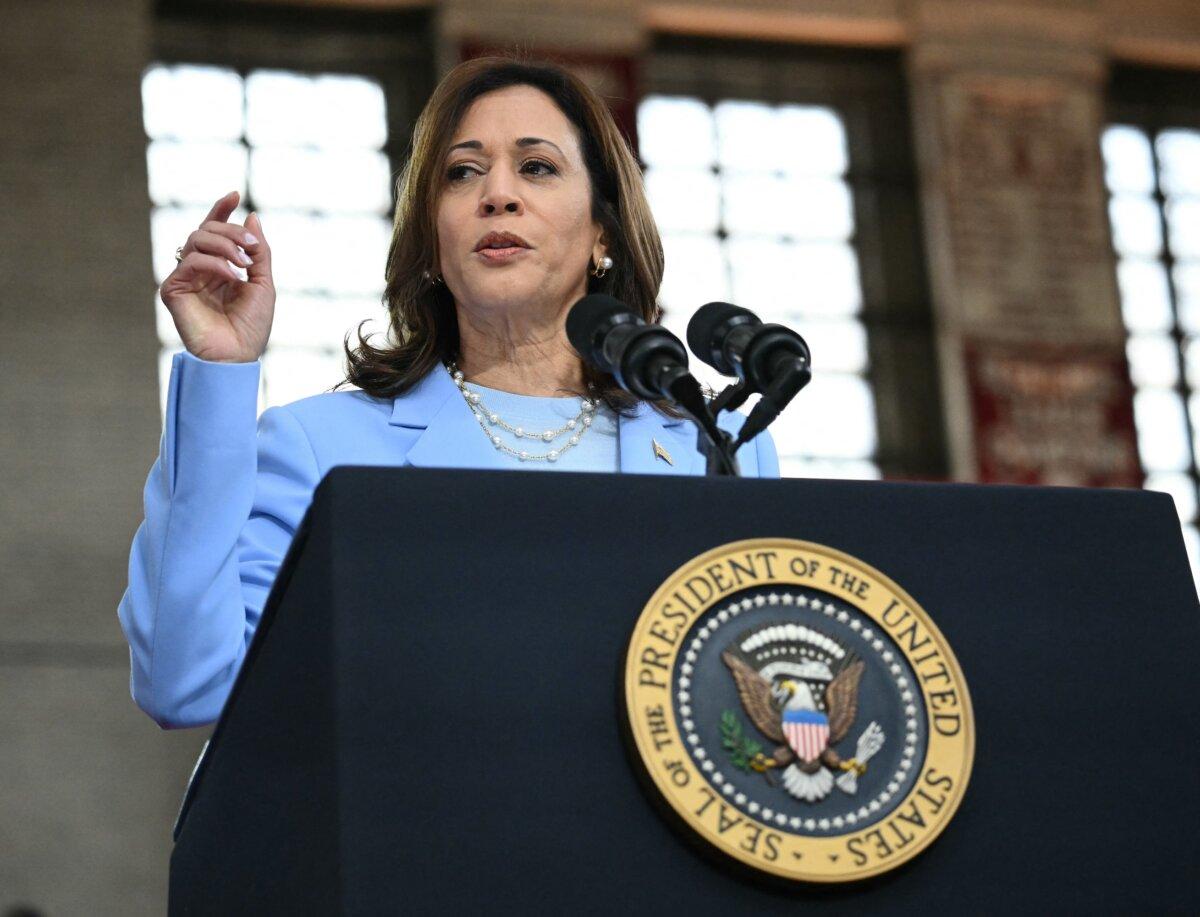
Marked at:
<point>705,322</point>
<point>586,316</point>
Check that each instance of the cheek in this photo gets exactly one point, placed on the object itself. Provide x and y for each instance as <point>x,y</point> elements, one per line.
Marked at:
<point>574,220</point>
<point>444,225</point>
<point>449,229</point>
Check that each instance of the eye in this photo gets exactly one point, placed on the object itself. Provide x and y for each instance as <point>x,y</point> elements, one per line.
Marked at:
<point>538,167</point>
<point>460,172</point>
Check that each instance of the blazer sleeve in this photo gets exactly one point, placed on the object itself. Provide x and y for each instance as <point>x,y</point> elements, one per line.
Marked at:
<point>222,502</point>
<point>768,458</point>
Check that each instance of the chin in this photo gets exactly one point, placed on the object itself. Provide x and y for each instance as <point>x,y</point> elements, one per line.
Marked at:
<point>511,292</point>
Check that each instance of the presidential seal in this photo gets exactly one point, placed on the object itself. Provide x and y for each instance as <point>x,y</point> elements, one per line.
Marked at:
<point>799,711</point>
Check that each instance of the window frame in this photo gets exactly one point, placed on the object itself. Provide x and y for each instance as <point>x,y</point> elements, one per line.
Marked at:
<point>393,48</point>
<point>869,90</point>
<point>1154,101</point>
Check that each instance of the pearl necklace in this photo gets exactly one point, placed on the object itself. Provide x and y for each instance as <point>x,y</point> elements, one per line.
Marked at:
<point>576,426</point>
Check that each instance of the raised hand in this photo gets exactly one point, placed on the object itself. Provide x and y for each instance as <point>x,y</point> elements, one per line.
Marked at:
<point>220,317</point>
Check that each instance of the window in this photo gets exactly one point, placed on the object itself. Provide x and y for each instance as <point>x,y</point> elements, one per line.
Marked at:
<point>1151,153</point>
<point>306,152</point>
<point>300,112</point>
<point>766,196</point>
<point>753,206</point>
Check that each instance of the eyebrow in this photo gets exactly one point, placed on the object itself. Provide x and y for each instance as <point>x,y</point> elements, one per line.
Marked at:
<point>521,142</point>
<point>534,141</point>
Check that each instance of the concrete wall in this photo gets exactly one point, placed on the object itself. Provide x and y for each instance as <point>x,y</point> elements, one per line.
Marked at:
<point>88,785</point>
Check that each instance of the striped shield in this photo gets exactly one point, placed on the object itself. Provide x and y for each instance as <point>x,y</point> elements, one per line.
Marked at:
<point>807,731</point>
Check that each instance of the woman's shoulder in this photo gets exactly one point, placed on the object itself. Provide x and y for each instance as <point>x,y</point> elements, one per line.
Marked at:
<point>341,413</point>
<point>341,427</point>
<point>337,407</point>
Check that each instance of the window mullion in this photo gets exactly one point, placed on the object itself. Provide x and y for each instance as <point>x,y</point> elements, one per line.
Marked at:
<point>1182,387</point>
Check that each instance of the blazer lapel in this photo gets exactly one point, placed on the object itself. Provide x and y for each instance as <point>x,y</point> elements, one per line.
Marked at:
<point>448,433</point>
<point>653,444</point>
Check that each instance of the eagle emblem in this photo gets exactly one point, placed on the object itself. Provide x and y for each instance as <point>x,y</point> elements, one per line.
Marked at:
<point>800,689</point>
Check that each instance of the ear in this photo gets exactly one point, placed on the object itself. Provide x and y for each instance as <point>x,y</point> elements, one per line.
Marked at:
<point>600,247</point>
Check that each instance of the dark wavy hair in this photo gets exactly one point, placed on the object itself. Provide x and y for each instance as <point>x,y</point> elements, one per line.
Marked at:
<point>423,326</point>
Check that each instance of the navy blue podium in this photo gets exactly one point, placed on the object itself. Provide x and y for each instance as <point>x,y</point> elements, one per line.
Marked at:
<point>429,717</point>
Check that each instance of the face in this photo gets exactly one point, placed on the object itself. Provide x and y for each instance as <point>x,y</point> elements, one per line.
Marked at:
<point>514,223</point>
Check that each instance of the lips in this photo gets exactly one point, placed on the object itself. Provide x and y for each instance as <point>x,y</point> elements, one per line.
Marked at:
<point>501,247</point>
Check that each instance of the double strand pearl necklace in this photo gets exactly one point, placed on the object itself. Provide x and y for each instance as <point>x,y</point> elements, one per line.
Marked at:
<point>576,426</point>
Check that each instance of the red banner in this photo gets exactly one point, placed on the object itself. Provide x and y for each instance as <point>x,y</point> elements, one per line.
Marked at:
<point>1057,414</point>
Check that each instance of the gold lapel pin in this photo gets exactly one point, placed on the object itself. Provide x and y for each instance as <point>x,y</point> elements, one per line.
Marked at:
<point>660,452</point>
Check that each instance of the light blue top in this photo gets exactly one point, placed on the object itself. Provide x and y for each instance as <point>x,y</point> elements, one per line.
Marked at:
<point>227,493</point>
<point>598,446</point>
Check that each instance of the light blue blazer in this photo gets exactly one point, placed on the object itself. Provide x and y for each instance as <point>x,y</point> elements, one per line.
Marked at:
<point>225,497</point>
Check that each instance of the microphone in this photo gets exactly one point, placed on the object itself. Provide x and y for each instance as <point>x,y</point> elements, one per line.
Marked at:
<point>646,360</point>
<point>735,342</point>
<point>766,358</point>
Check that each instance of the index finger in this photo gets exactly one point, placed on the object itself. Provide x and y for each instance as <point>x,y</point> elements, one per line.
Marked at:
<point>222,208</point>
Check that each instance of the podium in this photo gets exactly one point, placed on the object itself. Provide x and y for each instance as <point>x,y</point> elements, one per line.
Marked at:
<point>430,715</point>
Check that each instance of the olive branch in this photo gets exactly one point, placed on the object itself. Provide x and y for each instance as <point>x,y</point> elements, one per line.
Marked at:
<point>742,750</point>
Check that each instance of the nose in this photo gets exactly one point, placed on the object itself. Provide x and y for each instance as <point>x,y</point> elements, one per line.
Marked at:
<point>499,195</point>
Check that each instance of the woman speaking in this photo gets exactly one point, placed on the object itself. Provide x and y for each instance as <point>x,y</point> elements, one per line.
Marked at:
<point>519,198</point>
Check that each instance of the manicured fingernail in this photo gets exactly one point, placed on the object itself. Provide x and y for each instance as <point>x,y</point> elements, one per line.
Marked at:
<point>251,239</point>
<point>246,259</point>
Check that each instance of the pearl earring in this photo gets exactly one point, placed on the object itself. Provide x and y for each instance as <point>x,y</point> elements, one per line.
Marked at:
<point>602,266</point>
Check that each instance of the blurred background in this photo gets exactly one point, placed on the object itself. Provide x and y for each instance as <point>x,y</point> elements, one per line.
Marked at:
<point>984,215</point>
